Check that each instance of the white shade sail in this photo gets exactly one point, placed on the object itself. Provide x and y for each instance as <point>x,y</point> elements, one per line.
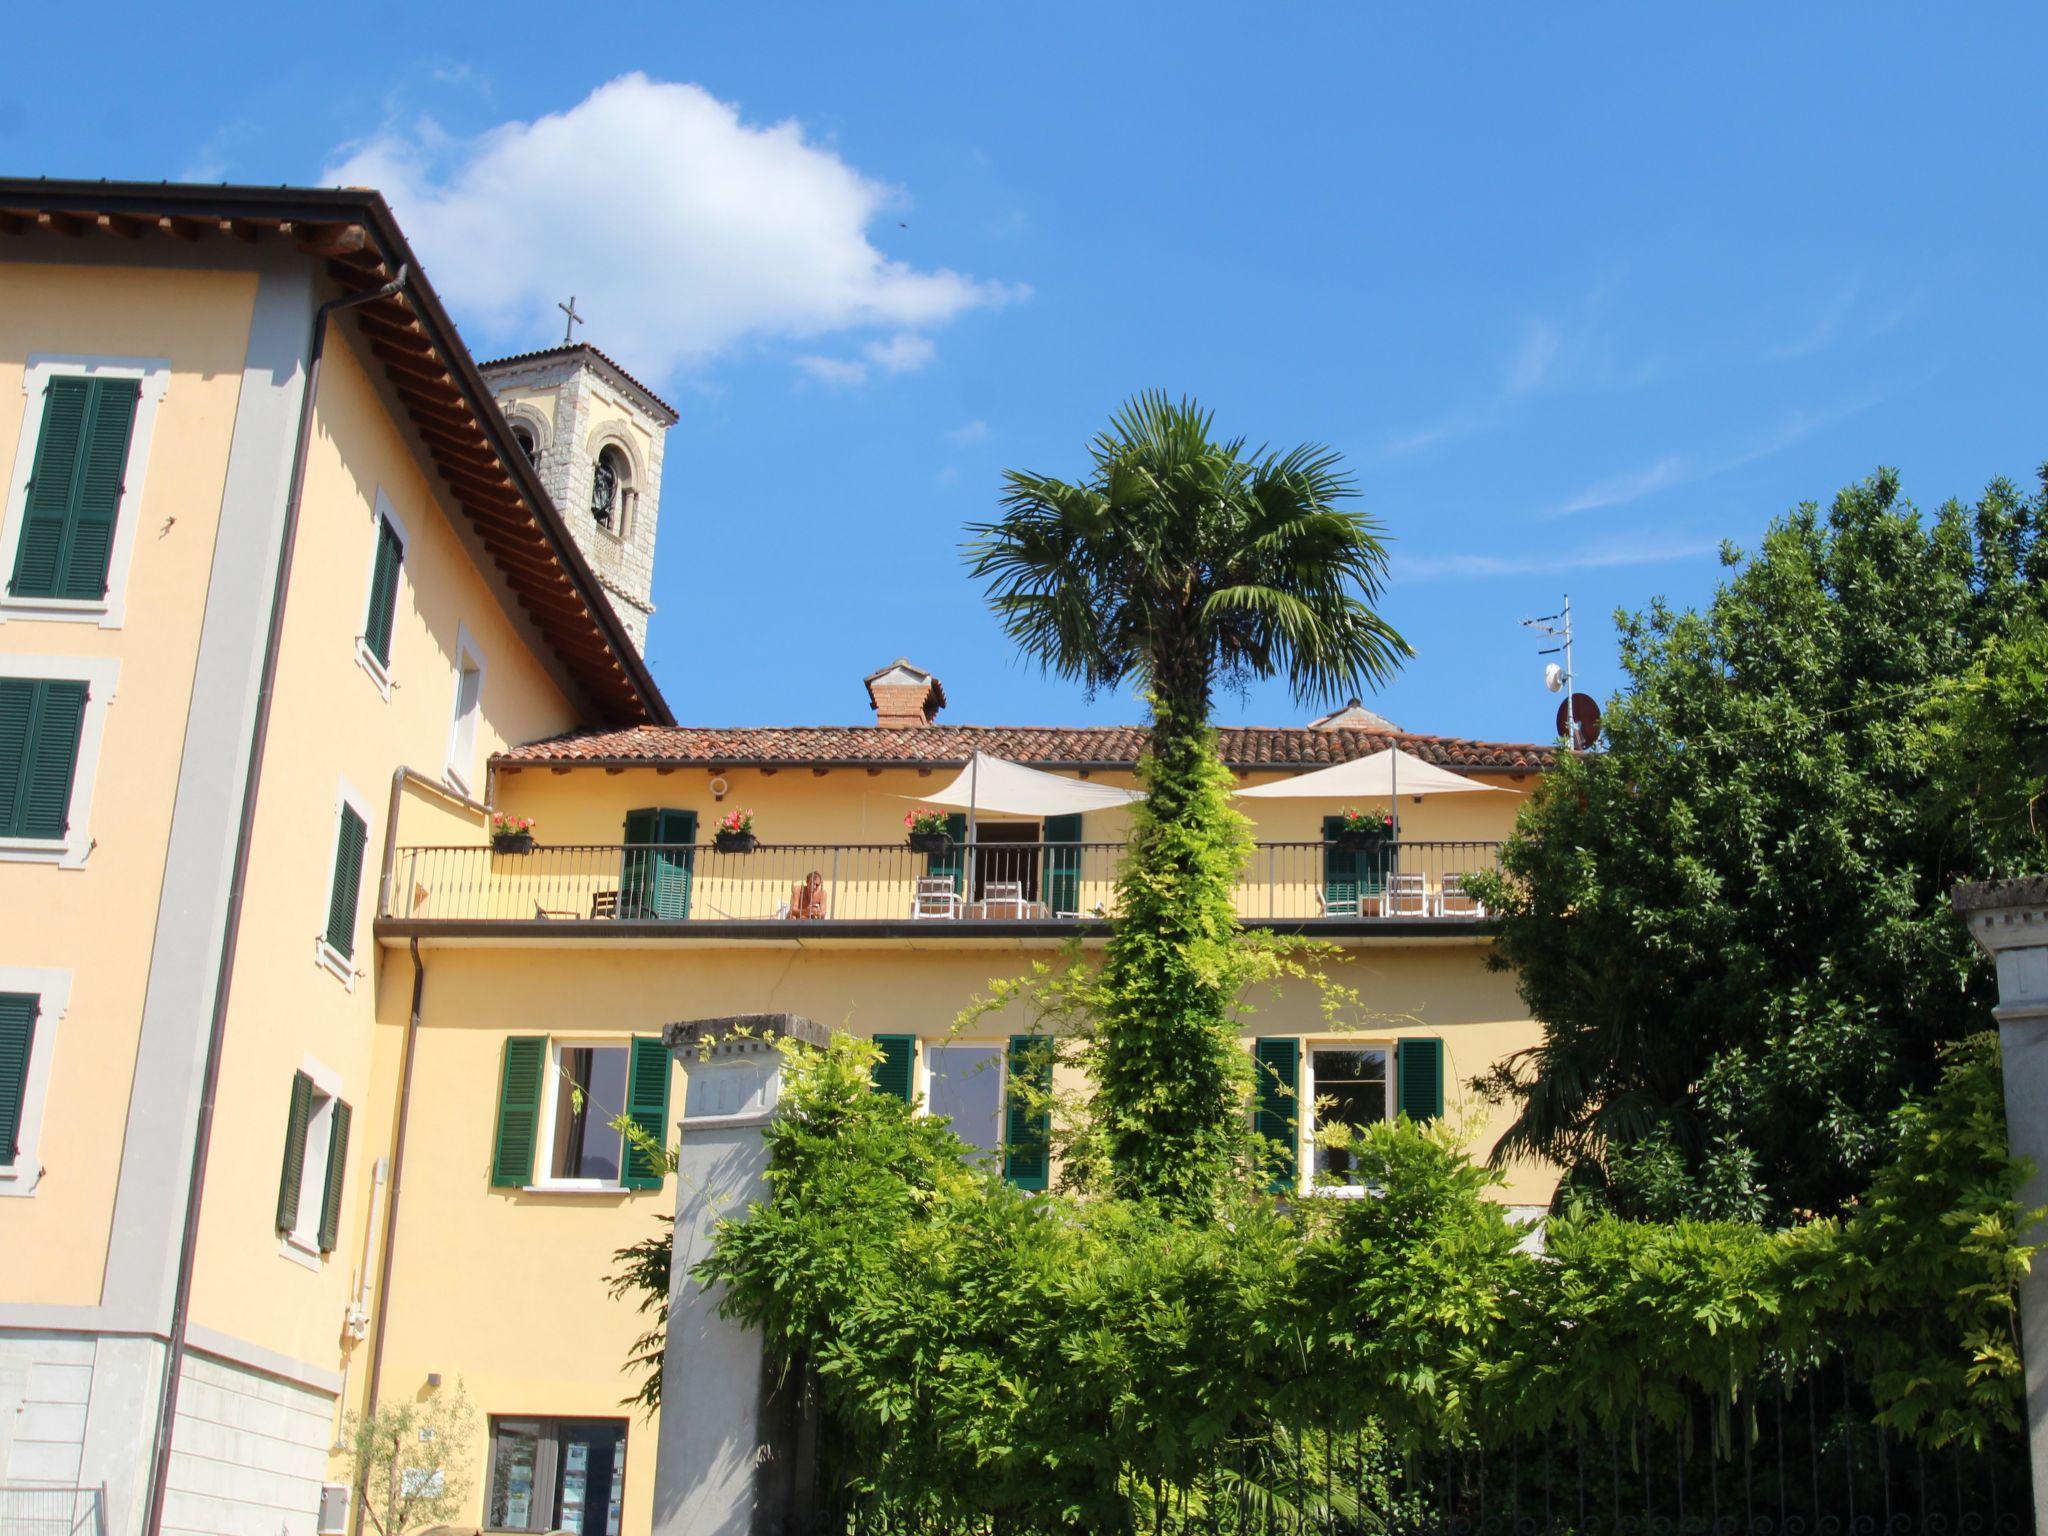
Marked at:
<point>996,784</point>
<point>1379,776</point>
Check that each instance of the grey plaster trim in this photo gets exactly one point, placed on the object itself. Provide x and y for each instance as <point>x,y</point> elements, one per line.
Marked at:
<point>269,1362</point>
<point>103,1323</point>
<point>149,1201</point>
<point>2030,891</point>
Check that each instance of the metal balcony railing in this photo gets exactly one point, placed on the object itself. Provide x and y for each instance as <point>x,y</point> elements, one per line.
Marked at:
<point>985,881</point>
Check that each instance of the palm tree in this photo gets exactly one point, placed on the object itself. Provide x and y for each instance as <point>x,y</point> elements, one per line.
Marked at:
<point>1182,562</point>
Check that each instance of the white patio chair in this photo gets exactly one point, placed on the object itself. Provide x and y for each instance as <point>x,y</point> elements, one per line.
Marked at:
<point>1003,893</point>
<point>936,897</point>
<point>1405,896</point>
<point>1456,901</point>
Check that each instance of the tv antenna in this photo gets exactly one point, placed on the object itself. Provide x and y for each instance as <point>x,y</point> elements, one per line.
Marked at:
<point>1578,717</point>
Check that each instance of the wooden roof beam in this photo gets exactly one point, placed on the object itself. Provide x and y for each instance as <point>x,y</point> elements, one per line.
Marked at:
<point>64,223</point>
<point>331,239</point>
<point>177,225</point>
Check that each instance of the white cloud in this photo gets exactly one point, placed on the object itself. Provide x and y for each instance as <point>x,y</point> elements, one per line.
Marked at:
<point>1544,563</point>
<point>1534,358</point>
<point>843,372</point>
<point>682,230</point>
<point>905,352</point>
<point>1620,490</point>
<point>968,432</point>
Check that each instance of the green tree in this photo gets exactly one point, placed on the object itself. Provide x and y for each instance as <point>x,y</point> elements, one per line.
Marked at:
<point>410,1461</point>
<point>1180,563</point>
<point>1732,923</point>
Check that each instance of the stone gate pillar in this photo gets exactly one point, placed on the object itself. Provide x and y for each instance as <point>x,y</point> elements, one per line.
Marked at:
<point>731,1458</point>
<point>2009,918</point>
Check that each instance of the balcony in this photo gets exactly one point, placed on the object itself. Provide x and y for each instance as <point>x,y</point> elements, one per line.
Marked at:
<point>793,890</point>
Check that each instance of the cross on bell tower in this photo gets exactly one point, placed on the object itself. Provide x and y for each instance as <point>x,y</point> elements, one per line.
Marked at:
<point>569,330</point>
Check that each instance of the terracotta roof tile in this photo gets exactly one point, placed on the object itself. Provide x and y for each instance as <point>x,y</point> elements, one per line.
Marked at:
<point>569,350</point>
<point>1112,746</point>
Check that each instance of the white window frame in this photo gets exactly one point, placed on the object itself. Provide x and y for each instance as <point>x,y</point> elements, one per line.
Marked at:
<point>325,955</point>
<point>544,1180</point>
<point>460,767</point>
<point>101,675</point>
<point>302,1244</point>
<point>53,991</point>
<point>154,375</point>
<point>380,674</point>
<point>1306,1154</point>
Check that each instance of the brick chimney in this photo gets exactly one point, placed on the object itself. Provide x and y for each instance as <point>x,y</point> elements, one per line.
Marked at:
<point>904,696</point>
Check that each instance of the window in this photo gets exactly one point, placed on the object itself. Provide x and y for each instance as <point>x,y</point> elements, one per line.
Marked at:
<point>18,1014</point>
<point>469,700</point>
<point>73,501</point>
<point>590,1090</point>
<point>1353,1085</point>
<point>563,1096</point>
<point>611,490</point>
<point>32,1004</point>
<point>40,722</point>
<point>522,434</point>
<point>335,947</point>
<point>1354,879</point>
<point>53,711</point>
<point>967,1088</point>
<point>659,866</point>
<point>387,562</point>
<point>1347,1086</point>
<point>315,1159</point>
<point>556,1475</point>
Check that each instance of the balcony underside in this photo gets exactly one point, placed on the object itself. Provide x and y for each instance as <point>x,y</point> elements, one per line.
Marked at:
<point>992,933</point>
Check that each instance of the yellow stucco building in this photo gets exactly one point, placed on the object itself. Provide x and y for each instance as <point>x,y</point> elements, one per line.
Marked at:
<point>305,1087</point>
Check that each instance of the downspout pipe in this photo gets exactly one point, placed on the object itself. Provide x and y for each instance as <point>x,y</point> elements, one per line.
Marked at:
<point>390,1238</point>
<point>238,878</point>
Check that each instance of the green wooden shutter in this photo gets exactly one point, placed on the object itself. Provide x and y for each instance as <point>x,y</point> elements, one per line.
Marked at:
<point>647,1072</point>
<point>74,492</point>
<point>896,1073</point>
<point>294,1153</point>
<point>656,882</point>
<point>954,860</point>
<point>383,591</point>
<point>18,1013</point>
<point>1342,868</point>
<point>342,901</point>
<point>40,721</point>
<point>1419,1063</point>
<point>337,1171</point>
<point>17,710</point>
<point>1062,863</point>
<point>1027,1129</point>
<point>518,1112</point>
<point>1277,1118</point>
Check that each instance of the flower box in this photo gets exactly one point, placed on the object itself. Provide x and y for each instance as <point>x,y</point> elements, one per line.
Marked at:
<point>511,842</point>
<point>735,842</point>
<point>934,843</point>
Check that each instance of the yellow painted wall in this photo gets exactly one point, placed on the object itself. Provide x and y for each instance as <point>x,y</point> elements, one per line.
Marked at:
<point>505,1289</point>
<point>99,921</point>
<point>331,721</point>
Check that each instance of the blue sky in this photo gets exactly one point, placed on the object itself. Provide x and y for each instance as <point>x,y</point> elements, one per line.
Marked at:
<point>1579,293</point>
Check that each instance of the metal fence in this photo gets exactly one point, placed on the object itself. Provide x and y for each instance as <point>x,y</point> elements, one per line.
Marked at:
<point>889,882</point>
<point>1806,1461</point>
<point>27,1510</point>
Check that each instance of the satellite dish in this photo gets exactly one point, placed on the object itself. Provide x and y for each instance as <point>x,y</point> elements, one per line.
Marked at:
<point>1579,709</point>
<point>1553,677</point>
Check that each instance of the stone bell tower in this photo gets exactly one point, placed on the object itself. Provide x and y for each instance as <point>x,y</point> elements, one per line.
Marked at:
<point>595,434</point>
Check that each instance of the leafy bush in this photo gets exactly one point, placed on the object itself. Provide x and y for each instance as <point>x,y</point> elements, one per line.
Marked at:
<point>1072,1361</point>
